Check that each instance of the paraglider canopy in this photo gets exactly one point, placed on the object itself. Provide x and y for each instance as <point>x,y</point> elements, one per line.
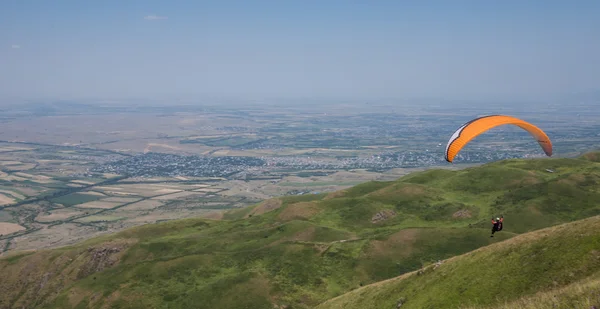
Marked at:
<point>468,131</point>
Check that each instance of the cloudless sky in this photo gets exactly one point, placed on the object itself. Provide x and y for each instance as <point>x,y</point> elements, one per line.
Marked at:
<point>303,48</point>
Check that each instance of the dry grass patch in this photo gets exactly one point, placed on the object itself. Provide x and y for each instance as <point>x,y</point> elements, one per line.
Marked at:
<point>566,181</point>
<point>200,185</point>
<point>579,178</point>
<point>401,240</point>
<point>265,206</point>
<point>208,190</point>
<point>40,177</point>
<point>156,186</point>
<point>145,191</point>
<point>301,210</point>
<point>14,148</point>
<point>335,194</point>
<point>93,193</point>
<point>214,215</point>
<point>9,228</point>
<point>31,191</point>
<point>10,163</point>
<point>123,193</point>
<point>143,205</point>
<point>534,210</point>
<point>166,191</point>
<point>83,182</point>
<point>120,199</point>
<point>100,218</point>
<point>22,167</point>
<point>98,204</point>
<point>304,235</point>
<point>4,200</point>
<point>527,180</point>
<point>179,194</point>
<point>162,215</point>
<point>14,178</point>
<point>103,188</point>
<point>149,147</point>
<point>592,156</point>
<point>572,180</point>
<point>412,190</point>
<point>13,193</point>
<point>59,214</point>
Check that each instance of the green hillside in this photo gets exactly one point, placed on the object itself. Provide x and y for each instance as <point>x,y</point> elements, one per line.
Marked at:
<point>556,267</point>
<point>299,251</point>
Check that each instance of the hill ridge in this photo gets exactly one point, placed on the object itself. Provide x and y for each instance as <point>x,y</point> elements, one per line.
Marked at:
<point>518,241</point>
<point>296,248</point>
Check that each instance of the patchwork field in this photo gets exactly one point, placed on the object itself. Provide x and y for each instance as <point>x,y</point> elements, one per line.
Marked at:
<point>58,215</point>
<point>5,200</point>
<point>52,199</point>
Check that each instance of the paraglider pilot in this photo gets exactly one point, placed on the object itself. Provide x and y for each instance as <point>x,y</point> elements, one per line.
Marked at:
<point>497,225</point>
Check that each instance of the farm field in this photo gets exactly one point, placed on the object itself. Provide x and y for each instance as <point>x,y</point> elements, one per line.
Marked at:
<point>49,198</point>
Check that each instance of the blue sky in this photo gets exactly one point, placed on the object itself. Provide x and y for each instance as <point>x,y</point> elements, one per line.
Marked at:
<point>345,49</point>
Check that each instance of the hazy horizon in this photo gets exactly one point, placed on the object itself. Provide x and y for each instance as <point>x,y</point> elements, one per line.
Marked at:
<point>528,50</point>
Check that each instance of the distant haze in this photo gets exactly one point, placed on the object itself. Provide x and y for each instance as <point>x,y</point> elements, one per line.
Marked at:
<point>314,49</point>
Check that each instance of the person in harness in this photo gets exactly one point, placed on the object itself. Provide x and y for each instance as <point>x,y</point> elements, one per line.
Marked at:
<point>497,225</point>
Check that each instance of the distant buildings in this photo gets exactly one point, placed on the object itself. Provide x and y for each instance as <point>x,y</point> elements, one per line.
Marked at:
<point>170,165</point>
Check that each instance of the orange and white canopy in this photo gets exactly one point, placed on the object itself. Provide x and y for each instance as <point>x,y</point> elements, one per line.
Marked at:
<point>475,127</point>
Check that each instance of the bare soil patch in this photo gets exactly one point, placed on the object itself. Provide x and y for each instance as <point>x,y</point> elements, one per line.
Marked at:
<point>383,215</point>
<point>463,213</point>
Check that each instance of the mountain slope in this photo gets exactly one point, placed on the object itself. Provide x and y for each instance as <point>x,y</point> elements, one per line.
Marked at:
<point>518,272</point>
<point>299,251</point>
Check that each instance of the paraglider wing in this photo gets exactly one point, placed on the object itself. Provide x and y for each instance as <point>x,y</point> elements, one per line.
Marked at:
<point>475,127</point>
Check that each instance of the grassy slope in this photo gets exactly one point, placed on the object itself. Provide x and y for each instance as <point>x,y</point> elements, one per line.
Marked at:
<point>299,251</point>
<point>554,266</point>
